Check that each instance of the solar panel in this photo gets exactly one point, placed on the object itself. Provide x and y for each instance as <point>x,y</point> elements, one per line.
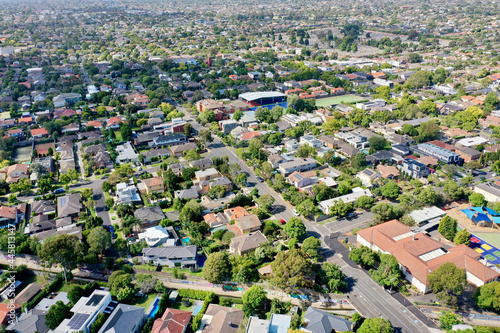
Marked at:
<point>78,320</point>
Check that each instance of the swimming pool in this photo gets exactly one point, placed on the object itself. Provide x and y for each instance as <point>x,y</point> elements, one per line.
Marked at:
<point>155,308</point>
<point>185,241</point>
<point>197,309</point>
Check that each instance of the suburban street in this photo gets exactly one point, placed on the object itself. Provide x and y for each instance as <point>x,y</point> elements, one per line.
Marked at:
<point>366,295</point>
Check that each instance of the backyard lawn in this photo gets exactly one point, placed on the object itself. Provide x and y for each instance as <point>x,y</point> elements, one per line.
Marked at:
<point>185,271</point>
<point>144,302</point>
<point>66,287</point>
<point>329,101</point>
<point>118,135</point>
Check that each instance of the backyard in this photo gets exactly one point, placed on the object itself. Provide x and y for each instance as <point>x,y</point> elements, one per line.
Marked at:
<point>22,154</point>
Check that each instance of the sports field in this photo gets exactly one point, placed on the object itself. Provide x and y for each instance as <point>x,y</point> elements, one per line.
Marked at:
<point>329,101</point>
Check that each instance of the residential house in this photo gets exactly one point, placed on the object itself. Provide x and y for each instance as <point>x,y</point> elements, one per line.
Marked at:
<point>311,141</point>
<point>319,321</point>
<point>207,174</point>
<point>43,207</point>
<point>414,169</point>
<point>12,215</point>
<point>159,236</point>
<point>179,150</point>
<point>124,319</point>
<point>172,321</point>
<point>302,179</point>
<point>168,140</point>
<point>126,154</point>
<point>247,242</point>
<point>468,154</point>
<point>94,149</point>
<point>152,185</point>
<point>388,171</point>
<point>103,160</point>
<point>357,192</point>
<point>226,126</point>
<point>368,176</point>
<point>442,154</point>
<point>298,164</point>
<point>245,224</point>
<point>221,319</point>
<point>215,221</point>
<point>144,138</point>
<point>419,255</point>
<point>34,320</point>
<point>114,123</point>
<point>170,256</point>
<point>187,194</point>
<point>16,172</point>
<point>275,160</point>
<point>85,312</point>
<point>67,98</point>
<point>202,164</point>
<point>127,193</point>
<point>155,155</point>
<point>149,216</point>
<point>38,133</point>
<point>256,325</point>
<point>69,205</point>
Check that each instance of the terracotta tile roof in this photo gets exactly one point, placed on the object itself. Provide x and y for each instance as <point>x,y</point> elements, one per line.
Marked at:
<point>172,321</point>
<point>39,131</point>
<point>236,212</point>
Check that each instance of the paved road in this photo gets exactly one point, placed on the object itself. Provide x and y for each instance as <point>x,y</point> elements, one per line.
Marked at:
<point>371,299</point>
<point>347,224</point>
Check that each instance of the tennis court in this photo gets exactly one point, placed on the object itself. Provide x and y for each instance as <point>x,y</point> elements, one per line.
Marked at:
<point>329,101</point>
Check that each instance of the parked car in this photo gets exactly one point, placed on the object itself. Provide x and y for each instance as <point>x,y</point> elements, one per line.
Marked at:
<point>259,179</point>
<point>59,190</point>
<point>295,212</point>
<point>282,221</point>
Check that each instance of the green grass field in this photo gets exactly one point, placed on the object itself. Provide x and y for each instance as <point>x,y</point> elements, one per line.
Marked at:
<point>4,115</point>
<point>329,101</point>
<point>118,135</point>
<point>490,237</point>
<point>144,302</point>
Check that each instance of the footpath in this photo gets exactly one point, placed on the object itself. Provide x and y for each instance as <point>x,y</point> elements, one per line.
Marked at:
<point>336,303</point>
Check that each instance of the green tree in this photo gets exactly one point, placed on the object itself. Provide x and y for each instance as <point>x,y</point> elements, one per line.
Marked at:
<point>217,267</point>
<point>23,186</point>
<point>364,202</point>
<point>358,161</point>
<point>125,294</point>
<point>65,250</point>
<point>491,99</point>
<point>265,201</point>
<point>255,301</point>
<point>388,273</point>
<point>375,325</point>
<point>448,227</point>
<point>488,296</point>
<point>377,142</point>
<point>385,211</point>
<point>75,294</point>
<point>118,280</point>
<point>99,239</point>
<point>453,190</point>
<point>106,186</point>
<point>390,190</point>
<point>126,132</point>
<point>363,256</point>
<point>428,107</point>
<point>333,277</point>
<point>448,319</point>
<point>192,155</point>
<point>311,246</point>
<point>428,196</point>
<point>205,136</point>
<point>295,228</point>
<point>427,131</point>
<point>462,237</point>
<point>141,158</point>
<point>57,313</point>
<point>448,281</point>
<point>340,208</point>
<point>307,208</point>
<point>477,200</point>
<point>291,271</point>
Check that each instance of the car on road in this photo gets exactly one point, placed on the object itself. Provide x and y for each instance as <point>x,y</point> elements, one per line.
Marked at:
<point>59,190</point>
<point>260,180</point>
<point>282,221</point>
<point>295,212</point>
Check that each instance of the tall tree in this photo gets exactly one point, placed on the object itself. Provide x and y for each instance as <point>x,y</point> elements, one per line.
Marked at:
<point>448,227</point>
<point>255,301</point>
<point>65,250</point>
<point>295,228</point>
<point>488,296</point>
<point>217,267</point>
<point>291,270</point>
<point>99,239</point>
<point>448,282</point>
<point>57,313</point>
<point>375,325</point>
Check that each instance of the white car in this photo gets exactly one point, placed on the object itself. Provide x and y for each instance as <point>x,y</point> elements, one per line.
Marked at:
<point>295,212</point>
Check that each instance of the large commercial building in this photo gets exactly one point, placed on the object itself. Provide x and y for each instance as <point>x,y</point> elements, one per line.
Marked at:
<point>263,97</point>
